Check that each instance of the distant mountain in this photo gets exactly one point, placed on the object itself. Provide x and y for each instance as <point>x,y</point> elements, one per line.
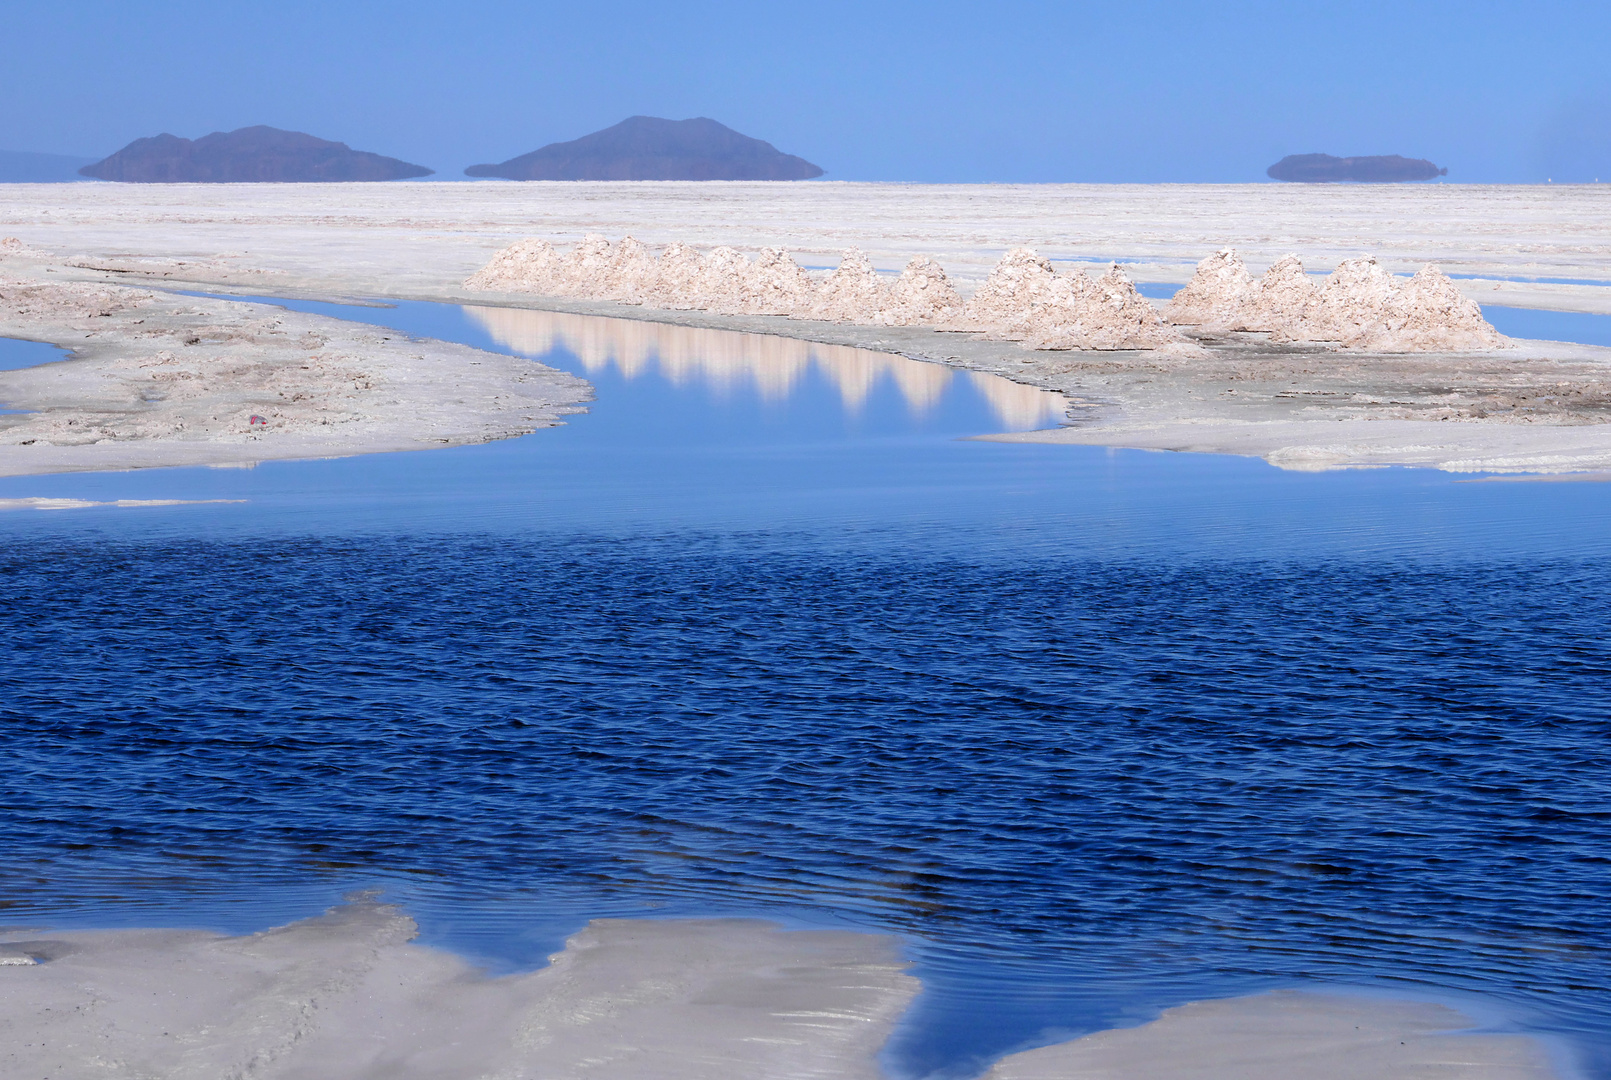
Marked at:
<point>1324,169</point>
<point>649,148</point>
<point>250,155</point>
<point>22,167</point>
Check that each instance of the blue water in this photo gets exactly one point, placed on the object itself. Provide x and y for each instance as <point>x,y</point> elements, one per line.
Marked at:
<point>1549,325</point>
<point>16,353</point>
<point>1097,732</point>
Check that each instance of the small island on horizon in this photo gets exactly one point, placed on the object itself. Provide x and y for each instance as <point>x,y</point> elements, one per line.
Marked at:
<point>651,148</point>
<point>249,155</point>
<point>1326,169</point>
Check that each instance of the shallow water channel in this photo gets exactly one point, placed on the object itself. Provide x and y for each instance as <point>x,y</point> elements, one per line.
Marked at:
<point>1096,732</point>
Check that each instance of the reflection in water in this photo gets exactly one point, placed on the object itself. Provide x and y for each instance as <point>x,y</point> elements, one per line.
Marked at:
<point>727,360</point>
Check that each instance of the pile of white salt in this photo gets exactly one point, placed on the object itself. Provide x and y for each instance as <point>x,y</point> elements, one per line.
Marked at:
<point>1360,306</point>
<point>1024,300</point>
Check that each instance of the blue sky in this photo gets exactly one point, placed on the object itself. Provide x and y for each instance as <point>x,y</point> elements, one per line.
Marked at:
<point>1010,91</point>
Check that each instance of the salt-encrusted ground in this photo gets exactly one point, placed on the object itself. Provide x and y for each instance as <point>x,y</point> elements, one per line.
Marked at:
<point>160,379</point>
<point>418,239</point>
<point>1537,407</point>
<point>349,995</point>
<point>1284,1035</point>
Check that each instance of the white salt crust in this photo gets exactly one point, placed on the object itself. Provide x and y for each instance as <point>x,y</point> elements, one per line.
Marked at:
<point>1360,306</point>
<point>1025,299</point>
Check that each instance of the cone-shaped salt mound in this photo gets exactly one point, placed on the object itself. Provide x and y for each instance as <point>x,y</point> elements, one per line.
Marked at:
<point>1426,313</point>
<point>678,280</point>
<point>923,296</point>
<point>1119,317</point>
<point>1216,295</point>
<point>725,283</point>
<point>530,266</point>
<point>587,269</point>
<point>1105,313</point>
<point>1021,284</point>
<point>1285,303</point>
<point>853,293</point>
<point>781,287</point>
<point>1353,299</point>
<point>632,271</point>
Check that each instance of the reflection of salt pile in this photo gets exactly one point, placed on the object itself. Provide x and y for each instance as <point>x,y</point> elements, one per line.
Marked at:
<point>1360,305</point>
<point>772,365</point>
<point>1024,300</point>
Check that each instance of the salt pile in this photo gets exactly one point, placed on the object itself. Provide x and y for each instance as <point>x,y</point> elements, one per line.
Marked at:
<point>780,286</point>
<point>1024,300</point>
<point>853,293</point>
<point>1360,306</point>
<point>1353,298</point>
<point>677,282</point>
<point>1286,303</point>
<point>923,296</point>
<point>1216,296</point>
<point>530,266</point>
<point>1428,312</point>
<point>1117,316</point>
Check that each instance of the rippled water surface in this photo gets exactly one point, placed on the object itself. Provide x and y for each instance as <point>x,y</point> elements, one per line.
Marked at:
<point>1097,732</point>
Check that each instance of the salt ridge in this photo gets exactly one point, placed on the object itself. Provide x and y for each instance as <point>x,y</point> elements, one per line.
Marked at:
<point>1360,306</point>
<point>1024,300</point>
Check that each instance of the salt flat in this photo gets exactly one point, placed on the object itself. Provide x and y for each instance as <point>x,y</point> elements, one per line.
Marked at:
<point>418,239</point>
<point>1539,407</point>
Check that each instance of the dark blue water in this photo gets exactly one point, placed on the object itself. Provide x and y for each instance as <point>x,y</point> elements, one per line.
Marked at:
<point>1096,732</point>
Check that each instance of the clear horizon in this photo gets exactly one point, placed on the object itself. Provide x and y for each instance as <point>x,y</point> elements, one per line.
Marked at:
<point>1038,92</point>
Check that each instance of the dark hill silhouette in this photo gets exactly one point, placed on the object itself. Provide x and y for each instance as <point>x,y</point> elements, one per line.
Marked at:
<point>1324,169</point>
<point>649,148</point>
<point>250,155</point>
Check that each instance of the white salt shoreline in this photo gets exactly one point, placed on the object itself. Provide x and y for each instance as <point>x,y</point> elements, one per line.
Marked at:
<point>350,995</point>
<point>1540,408</point>
<point>157,379</point>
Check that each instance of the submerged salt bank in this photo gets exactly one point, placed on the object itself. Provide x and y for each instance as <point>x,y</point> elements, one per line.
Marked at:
<point>1360,306</point>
